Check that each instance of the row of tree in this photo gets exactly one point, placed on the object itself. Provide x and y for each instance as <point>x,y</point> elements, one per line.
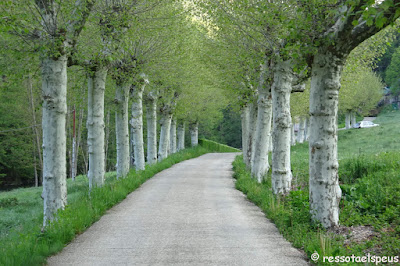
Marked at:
<point>108,44</point>
<point>198,57</point>
<point>281,44</point>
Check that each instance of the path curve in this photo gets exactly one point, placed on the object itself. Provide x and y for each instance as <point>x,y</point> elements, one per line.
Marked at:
<point>189,214</point>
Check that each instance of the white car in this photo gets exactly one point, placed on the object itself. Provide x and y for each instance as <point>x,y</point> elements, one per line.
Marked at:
<point>364,124</point>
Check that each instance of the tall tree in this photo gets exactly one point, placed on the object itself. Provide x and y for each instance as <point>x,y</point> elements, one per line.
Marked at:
<point>337,34</point>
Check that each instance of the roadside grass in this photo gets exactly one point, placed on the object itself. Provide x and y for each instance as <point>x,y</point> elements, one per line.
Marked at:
<point>369,175</point>
<point>216,147</point>
<point>22,241</point>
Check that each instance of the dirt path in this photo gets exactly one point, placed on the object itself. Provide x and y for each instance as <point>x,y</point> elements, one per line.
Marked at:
<point>190,214</point>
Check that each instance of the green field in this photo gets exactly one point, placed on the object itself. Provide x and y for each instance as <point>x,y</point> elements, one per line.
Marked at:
<point>369,175</point>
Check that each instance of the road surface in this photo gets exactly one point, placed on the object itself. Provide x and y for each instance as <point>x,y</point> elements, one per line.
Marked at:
<point>190,214</point>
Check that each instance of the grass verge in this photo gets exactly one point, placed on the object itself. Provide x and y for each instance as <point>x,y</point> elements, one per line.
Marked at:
<point>216,147</point>
<point>369,208</point>
<point>21,239</point>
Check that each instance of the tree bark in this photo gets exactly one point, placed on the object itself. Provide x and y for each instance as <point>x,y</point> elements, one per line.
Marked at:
<point>252,136</point>
<point>293,136</point>
<point>151,116</point>
<point>194,134</point>
<point>172,148</point>
<point>282,124</point>
<point>95,127</point>
<point>260,165</point>
<point>54,93</point>
<point>76,144</point>
<point>245,133</point>
<point>165,131</point>
<point>107,140</point>
<point>348,120</point>
<point>300,133</point>
<point>181,136</point>
<point>122,128</point>
<point>353,119</point>
<point>325,192</point>
<point>137,126</point>
<point>271,140</point>
<point>36,135</point>
<point>263,134</point>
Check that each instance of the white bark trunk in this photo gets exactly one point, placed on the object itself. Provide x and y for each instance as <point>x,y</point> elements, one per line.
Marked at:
<point>260,165</point>
<point>165,131</point>
<point>172,148</point>
<point>73,158</point>
<point>181,136</point>
<point>325,192</point>
<point>271,140</point>
<point>137,126</point>
<point>252,136</point>
<point>353,119</point>
<point>245,133</point>
<point>300,133</point>
<point>76,145</point>
<point>348,120</point>
<point>261,139</point>
<point>95,126</point>
<point>194,134</point>
<point>122,129</point>
<point>293,136</point>
<point>54,92</point>
<point>151,116</point>
<point>106,140</point>
<point>282,124</point>
<point>307,134</point>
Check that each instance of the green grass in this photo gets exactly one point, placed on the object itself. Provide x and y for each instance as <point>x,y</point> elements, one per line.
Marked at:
<point>22,241</point>
<point>216,147</point>
<point>369,175</point>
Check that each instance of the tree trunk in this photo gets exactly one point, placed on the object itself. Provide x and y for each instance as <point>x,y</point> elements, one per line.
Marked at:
<point>282,124</point>
<point>263,134</point>
<point>271,139</point>
<point>95,127</point>
<point>245,133</point>
<point>106,140</point>
<point>348,120</point>
<point>172,148</point>
<point>76,143</point>
<point>293,136</point>
<point>181,136</point>
<point>353,119</point>
<point>122,128</point>
<point>137,126</point>
<point>54,92</point>
<point>252,136</point>
<point>307,133</point>
<point>151,116</point>
<point>165,131</point>
<point>36,134</point>
<point>194,134</point>
<point>325,192</point>
<point>73,144</point>
<point>300,133</point>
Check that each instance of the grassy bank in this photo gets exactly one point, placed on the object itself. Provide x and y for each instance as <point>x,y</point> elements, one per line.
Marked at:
<point>370,180</point>
<point>23,243</point>
<point>216,147</point>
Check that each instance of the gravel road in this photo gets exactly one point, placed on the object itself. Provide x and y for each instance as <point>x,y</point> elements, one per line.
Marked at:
<point>190,214</point>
